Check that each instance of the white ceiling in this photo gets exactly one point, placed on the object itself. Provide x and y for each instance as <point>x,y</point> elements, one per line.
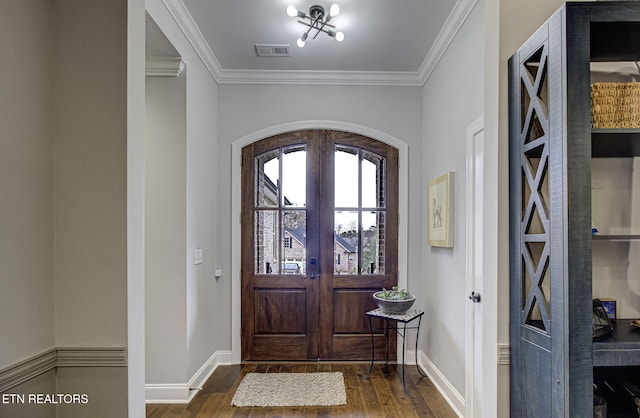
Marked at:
<point>381,36</point>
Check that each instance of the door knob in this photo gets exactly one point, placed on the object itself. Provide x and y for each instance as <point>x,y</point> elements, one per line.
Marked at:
<point>474,297</point>
<point>313,274</point>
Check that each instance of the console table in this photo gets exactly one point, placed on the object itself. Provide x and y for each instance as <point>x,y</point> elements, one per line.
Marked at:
<point>404,319</point>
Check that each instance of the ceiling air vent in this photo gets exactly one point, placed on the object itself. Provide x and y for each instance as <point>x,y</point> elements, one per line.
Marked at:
<point>265,50</point>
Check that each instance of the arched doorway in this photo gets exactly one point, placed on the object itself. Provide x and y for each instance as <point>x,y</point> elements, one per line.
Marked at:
<point>319,235</point>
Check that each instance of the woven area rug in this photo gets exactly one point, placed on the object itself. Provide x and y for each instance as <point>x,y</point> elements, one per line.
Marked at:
<point>291,389</point>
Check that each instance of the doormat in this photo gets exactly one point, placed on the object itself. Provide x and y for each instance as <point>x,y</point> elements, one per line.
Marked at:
<point>291,389</point>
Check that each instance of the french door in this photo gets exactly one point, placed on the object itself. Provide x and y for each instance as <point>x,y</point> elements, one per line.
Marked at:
<point>319,236</point>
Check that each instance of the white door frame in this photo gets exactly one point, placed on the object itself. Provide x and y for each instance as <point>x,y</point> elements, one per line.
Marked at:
<point>475,357</point>
<point>403,207</point>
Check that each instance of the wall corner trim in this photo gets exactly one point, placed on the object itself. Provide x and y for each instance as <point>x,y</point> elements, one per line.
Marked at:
<point>32,367</point>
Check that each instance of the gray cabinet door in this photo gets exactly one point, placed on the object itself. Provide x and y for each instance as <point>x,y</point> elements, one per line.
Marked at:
<point>550,346</point>
<point>531,328</point>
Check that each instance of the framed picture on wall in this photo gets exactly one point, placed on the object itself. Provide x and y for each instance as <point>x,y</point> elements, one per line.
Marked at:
<point>440,210</point>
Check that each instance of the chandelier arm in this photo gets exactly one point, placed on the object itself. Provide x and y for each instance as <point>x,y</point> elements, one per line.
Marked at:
<point>310,25</point>
<point>308,30</point>
<point>318,30</point>
<point>321,29</point>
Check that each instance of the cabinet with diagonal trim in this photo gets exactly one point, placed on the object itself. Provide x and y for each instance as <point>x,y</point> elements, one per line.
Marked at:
<point>552,151</point>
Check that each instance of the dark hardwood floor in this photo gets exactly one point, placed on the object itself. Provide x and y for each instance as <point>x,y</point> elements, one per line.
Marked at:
<point>380,396</point>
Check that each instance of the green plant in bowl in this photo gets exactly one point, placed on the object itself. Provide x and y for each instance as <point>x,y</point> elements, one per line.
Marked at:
<point>394,300</point>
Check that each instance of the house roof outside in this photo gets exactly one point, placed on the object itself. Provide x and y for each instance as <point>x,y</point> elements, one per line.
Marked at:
<point>299,234</point>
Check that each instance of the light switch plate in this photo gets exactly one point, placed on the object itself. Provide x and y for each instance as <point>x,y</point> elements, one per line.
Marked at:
<point>197,259</point>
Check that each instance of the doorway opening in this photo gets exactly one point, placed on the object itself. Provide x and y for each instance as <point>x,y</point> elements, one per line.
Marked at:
<point>319,235</point>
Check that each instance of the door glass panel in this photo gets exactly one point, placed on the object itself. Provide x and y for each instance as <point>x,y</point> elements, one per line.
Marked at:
<point>294,176</point>
<point>266,242</point>
<point>373,230</point>
<point>346,177</point>
<point>345,260</point>
<point>267,179</point>
<point>373,176</point>
<point>294,241</point>
<point>359,231</point>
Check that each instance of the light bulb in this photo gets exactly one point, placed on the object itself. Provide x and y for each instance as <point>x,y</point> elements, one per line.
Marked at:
<point>339,36</point>
<point>292,11</point>
<point>334,10</point>
<point>301,40</point>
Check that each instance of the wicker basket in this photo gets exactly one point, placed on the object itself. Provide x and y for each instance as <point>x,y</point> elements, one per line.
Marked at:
<point>615,105</point>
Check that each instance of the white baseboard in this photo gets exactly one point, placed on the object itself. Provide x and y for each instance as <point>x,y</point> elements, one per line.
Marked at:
<point>184,392</point>
<point>222,357</point>
<point>446,389</point>
<point>167,393</point>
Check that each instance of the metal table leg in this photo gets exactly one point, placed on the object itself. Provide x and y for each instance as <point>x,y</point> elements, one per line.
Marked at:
<point>400,331</point>
<point>416,351</point>
<point>373,351</point>
<point>404,339</point>
<point>386,341</point>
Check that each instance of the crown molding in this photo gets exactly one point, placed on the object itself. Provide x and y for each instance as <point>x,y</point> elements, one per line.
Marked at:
<point>164,66</point>
<point>188,26</point>
<point>319,77</point>
<point>452,25</point>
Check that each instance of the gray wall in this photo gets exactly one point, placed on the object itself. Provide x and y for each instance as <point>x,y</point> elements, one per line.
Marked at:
<point>63,162</point>
<point>26,181</point>
<point>165,229</point>
<point>452,100</point>
<point>44,383</point>
<point>247,109</point>
<point>182,313</point>
<point>90,172</point>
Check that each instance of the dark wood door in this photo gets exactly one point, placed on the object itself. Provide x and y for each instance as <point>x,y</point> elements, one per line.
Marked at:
<point>319,236</point>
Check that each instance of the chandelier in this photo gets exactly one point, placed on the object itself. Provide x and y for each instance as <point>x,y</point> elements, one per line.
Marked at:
<point>317,20</point>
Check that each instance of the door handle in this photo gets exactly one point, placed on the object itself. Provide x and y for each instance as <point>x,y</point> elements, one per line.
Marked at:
<point>474,297</point>
<point>313,262</point>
